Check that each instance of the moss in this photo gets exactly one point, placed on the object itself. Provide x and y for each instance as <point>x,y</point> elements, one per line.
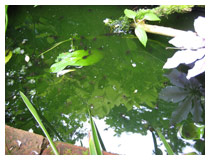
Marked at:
<point>85,152</point>
<point>68,152</point>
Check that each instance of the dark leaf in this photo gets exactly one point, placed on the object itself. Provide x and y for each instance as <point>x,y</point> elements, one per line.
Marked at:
<point>177,78</point>
<point>173,94</point>
<point>182,111</point>
<point>197,110</point>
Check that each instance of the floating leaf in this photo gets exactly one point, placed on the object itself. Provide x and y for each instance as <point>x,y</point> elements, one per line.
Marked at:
<point>151,17</point>
<point>76,58</point>
<point>129,13</point>
<point>141,34</point>
<point>173,94</point>
<point>182,111</point>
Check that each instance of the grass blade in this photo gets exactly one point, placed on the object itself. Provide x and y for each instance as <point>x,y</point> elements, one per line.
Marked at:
<point>92,147</point>
<point>55,45</point>
<point>95,136</point>
<point>100,139</point>
<point>36,116</point>
<point>168,147</point>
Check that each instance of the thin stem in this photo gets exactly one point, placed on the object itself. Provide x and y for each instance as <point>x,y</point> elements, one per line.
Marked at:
<point>165,31</point>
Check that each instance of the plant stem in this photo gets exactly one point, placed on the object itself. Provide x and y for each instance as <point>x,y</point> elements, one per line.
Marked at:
<point>165,31</point>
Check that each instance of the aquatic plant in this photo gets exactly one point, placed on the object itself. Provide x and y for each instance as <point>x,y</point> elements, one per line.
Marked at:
<point>36,116</point>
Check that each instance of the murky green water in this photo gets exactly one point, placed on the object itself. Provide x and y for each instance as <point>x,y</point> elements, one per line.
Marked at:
<point>122,88</point>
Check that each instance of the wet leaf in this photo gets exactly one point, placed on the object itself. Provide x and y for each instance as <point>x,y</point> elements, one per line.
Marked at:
<point>141,34</point>
<point>151,17</point>
<point>129,13</point>
<point>173,94</point>
<point>182,111</point>
<point>76,58</point>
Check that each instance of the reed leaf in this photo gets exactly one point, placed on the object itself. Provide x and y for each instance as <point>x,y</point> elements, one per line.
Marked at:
<point>168,147</point>
<point>36,116</point>
<point>96,143</point>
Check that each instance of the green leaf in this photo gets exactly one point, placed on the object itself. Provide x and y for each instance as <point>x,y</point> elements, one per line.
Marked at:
<point>182,111</point>
<point>8,56</point>
<point>36,116</point>
<point>76,58</point>
<point>173,94</point>
<point>92,147</point>
<point>129,13</point>
<point>191,131</point>
<point>168,147</point>
<point>141,34</point>
<point>151,17</point>
<point>95,137</point>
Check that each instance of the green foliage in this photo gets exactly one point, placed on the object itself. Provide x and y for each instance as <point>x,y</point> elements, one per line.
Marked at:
<point>76,58</point>
<point>8,56</point>
<point>165,10</point>
<point>187,93</point>
<point>36,116</point>
<point>141,34</point>
<point>93,85</point>
<point>130,13</point>
<point>94,142</point>
<point>191,131</point>
<point>151,17</point>
<point>6,17</point>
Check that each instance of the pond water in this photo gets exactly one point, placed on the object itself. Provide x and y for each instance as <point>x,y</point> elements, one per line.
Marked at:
<point>121,89</point>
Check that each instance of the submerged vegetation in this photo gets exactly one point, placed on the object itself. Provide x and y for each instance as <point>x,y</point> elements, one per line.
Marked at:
<point>111,76</point>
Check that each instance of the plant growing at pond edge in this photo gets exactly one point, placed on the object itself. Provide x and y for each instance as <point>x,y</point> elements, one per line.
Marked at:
<point>36,116</point>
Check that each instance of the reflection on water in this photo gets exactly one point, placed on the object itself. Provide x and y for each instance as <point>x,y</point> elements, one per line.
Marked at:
<point>122,88</point>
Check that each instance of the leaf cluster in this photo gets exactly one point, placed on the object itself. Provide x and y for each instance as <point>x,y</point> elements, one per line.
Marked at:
<point>187,93</point>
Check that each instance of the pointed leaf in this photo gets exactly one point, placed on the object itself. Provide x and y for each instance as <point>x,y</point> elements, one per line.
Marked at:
<point>36,116</point>
<point>182,111</point>
<point>184,56</point>
<point>198,68</point>
<point>129,13</point>
<point>95,136</point>
<point>92,147</point>
<point>177,78</point>
<point>173,94</point>
<point>197,110</point>
<point>141,34</point>
<point>151,17</point>
<point>168,147</point>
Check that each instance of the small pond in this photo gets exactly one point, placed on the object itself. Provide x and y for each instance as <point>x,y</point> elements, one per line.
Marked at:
<point>121,90</point>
